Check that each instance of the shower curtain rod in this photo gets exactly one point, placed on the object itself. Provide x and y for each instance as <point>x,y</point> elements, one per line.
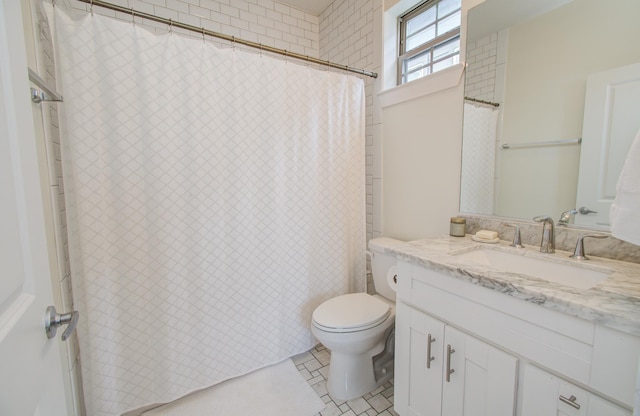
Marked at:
<point>232,39</point>
<point>475,100</point>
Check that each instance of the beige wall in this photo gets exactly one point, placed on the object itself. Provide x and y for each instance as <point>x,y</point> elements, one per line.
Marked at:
<point>421,143</point>
<point>421,164</point>
<point>548,62</point>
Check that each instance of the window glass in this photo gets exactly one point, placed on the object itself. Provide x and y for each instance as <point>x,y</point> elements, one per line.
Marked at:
<point>449,23</point>
<point>418,61</point>
<point>429,39</point>
<point>418,74</point>
<point>445,7</point>
<point>448,48</point>
<point>446,63</point>
<point>421,37</point>
<point>421,21</point>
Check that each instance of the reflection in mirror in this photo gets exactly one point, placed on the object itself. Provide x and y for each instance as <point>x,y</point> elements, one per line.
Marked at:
<point>534,59</point>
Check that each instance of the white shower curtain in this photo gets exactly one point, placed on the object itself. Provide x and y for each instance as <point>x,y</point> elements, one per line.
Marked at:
<point>215,197</point>
<point>477,188</point>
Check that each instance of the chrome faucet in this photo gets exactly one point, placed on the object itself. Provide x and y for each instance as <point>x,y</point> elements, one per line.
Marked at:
<point>565,217</point>
<point>548,243</point>
<point>579,253</point>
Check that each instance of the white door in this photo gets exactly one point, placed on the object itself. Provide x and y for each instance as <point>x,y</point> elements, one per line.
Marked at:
<point>611,121</point>
<point>30,364</point>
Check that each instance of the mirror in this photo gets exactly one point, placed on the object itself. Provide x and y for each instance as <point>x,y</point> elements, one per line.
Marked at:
<point>523,158</point>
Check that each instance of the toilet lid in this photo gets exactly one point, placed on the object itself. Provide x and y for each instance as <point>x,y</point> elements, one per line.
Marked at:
<point>352,312</point>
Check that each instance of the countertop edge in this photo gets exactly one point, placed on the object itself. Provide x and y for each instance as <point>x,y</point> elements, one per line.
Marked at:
<point>612,304</point>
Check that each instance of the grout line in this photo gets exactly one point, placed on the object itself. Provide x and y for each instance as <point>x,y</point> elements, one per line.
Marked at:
<point>377,403</point>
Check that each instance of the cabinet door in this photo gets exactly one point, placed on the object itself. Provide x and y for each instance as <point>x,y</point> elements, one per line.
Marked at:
<point>481,379</point>
<point>539,393</point>
<point>599,407</point>
<point>418,379</point>
<point>545,394</point>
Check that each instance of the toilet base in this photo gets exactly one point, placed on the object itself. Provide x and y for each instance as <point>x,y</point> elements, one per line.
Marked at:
<point>354,375</point>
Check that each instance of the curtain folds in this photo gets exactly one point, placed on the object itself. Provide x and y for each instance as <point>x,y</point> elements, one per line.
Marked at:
<point>215,197</point>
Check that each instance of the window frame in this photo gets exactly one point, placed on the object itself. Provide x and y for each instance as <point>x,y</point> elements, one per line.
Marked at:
<point>427,47</point>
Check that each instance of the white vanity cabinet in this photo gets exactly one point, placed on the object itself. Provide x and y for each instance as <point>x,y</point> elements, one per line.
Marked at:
<point>500,344</point>
<point>449,372</point>
<point>546,394</point>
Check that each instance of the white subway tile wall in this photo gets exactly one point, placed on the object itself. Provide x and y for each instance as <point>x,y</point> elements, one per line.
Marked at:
<point>347,37</point>
<point>481,60</point>
<point>263,21</point>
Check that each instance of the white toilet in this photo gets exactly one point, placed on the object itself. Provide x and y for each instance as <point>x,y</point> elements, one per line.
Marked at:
<point>358,329</point>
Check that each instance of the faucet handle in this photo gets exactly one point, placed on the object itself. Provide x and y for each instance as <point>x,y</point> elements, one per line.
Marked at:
<point>517,242</point>
<point>579,253</point>
<point>543,218</point>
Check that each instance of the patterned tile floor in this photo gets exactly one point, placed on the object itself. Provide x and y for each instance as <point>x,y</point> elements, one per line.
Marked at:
<point>314,367</point>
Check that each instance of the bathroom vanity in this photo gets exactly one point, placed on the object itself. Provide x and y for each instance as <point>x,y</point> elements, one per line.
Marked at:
<point>478,334</point>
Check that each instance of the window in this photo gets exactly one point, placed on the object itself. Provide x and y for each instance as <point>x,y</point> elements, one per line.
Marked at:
<point>429,39</point>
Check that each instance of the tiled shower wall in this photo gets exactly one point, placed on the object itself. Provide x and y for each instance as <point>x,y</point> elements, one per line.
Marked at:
<point>486,67</point>
<point>481,68</point>
<point>348,35</point>
<point>263,21</point>
<point>343,34</point>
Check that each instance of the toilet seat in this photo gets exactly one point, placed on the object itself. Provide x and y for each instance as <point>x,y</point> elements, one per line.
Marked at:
<point>350,313</point>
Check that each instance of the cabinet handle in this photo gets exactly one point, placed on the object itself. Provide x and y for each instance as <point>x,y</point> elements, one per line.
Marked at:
<point>430,340</point>
<point>449,369</point>
<point>571,401</point>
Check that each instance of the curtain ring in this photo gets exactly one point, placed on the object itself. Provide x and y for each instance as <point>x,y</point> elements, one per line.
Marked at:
<point>170,26</point>
<point>203,38</point>
<point>133,17</point>
<point>91,8</point>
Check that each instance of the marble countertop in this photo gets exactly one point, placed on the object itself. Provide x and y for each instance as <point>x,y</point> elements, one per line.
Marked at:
<point>614,302</point>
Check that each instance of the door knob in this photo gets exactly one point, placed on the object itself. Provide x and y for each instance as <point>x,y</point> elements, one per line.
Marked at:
<point>53,320</point>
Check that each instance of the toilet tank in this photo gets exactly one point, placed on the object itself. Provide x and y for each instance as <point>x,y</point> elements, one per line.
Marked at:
<point>383,266</point>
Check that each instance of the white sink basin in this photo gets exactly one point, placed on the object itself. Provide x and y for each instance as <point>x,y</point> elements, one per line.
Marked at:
<point>565,273</point>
